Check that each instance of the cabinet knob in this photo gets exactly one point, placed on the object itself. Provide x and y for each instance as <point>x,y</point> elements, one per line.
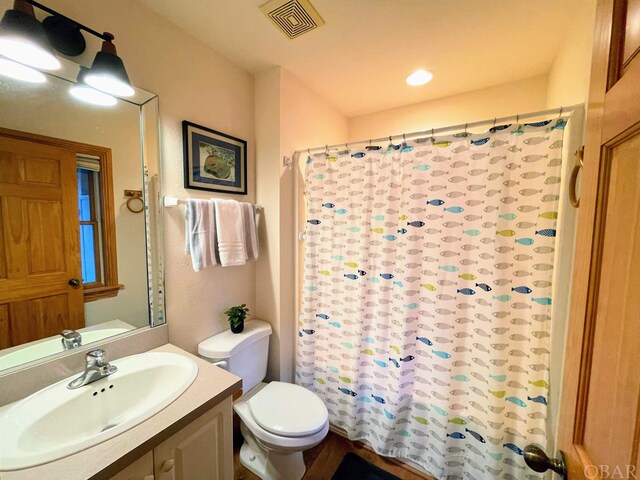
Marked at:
<point>167,465</point>
<point>74,282</point>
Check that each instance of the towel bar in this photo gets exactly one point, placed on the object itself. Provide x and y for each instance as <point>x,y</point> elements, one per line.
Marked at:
<point>174,202</point>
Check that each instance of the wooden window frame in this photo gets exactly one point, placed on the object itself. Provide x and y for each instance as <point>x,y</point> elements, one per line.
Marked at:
<point>98,231</point>
<point>109,287</point>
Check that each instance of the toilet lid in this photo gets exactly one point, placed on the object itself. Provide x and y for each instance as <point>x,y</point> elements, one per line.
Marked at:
<point>288,410</point>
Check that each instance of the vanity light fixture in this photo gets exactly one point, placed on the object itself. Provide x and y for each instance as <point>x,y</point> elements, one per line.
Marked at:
<point>107,71</point>
<point>419,77</point>
<point>18,71</point>
<point>23,38</point>
<point>88,94</point>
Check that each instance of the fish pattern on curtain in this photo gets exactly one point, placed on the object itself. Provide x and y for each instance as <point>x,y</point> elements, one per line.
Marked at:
<point>426,301</point>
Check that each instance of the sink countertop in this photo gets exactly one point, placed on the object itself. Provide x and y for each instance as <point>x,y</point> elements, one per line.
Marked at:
<point>211,386</point>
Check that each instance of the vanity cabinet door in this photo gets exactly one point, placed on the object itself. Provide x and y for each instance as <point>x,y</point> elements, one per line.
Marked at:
<point>203,450</point>
<point>141,469</point>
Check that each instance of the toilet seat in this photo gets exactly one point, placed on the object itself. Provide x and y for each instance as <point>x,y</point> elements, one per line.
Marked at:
<point>288,410</point>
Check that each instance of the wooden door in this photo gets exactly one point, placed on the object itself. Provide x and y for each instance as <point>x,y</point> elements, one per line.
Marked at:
<point>599,417</point>
<point>39,242</point>
<point>203,450</point>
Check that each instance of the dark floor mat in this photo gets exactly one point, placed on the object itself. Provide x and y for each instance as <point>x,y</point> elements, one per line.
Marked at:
<point>353,467</point>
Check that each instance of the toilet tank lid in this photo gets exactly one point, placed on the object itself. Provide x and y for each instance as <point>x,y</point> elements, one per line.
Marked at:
<point>225,344</point>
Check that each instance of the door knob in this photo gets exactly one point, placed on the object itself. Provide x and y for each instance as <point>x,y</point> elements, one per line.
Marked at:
<point>537,460</point>
<point>74,282</point>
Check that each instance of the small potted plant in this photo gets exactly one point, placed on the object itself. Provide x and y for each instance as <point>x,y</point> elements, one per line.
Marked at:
<point>236,316</point>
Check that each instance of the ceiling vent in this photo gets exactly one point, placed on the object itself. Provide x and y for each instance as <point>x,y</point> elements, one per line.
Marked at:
<point>293,17</point>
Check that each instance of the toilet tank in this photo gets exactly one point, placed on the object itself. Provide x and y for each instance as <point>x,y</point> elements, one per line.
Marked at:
<point>245,353</point>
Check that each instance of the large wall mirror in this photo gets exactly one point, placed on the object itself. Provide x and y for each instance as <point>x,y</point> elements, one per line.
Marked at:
<point>80,233</point>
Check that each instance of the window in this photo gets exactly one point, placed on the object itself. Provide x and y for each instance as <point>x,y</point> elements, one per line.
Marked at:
<point>97,226</point>
<point>89,216</point>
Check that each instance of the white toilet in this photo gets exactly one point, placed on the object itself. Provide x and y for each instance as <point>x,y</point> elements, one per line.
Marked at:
<point>279,420</point>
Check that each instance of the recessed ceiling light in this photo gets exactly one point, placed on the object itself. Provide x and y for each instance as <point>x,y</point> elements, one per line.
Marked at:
<point>419,77</point>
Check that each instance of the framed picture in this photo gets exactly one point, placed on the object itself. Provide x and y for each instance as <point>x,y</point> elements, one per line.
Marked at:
<point>214,161</point>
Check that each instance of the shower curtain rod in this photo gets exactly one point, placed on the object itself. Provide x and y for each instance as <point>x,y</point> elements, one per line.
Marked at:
<point>496,121</point>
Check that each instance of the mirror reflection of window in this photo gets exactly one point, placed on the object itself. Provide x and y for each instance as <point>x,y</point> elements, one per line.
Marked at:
<point>89,206</point>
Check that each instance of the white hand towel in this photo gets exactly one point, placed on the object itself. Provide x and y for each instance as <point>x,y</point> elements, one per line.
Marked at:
<point>251,231</point>
<point>200,233</point>
<point>230,233</point>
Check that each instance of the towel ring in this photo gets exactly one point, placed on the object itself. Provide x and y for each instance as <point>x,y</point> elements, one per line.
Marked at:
<point>131,201</point>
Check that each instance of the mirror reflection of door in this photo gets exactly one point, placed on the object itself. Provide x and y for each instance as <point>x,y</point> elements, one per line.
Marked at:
<point>57,235</point>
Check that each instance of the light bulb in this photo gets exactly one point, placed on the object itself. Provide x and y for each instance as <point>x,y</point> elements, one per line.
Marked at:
<point>109,84</point>
<point>28,53</point>
<point>17,71</point>
<point>92,96</point>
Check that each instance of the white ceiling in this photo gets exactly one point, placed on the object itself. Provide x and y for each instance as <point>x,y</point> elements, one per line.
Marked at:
<point>359,60</point>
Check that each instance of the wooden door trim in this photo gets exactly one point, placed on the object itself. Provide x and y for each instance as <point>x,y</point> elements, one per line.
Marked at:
<point>621,105</point>
<point>111,287</point>
<point>580,329</point>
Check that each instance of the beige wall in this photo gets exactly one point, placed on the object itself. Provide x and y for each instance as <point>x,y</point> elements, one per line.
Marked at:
<point>568,85</point>
<point>197,84</point>
<point>269,170</point>
<point>528,95</point>
<point>289,116</point>
<point>569,75</point>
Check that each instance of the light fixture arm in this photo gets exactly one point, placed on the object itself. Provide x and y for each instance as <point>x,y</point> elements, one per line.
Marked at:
<point>104,36</point>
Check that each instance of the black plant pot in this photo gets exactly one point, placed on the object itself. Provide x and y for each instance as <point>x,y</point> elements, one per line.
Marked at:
<point>238,328</point>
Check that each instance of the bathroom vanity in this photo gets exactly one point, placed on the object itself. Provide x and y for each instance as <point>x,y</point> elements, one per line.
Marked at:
<point>191,438</point>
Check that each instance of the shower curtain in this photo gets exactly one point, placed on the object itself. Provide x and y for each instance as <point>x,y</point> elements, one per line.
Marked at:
<point>426,296</point>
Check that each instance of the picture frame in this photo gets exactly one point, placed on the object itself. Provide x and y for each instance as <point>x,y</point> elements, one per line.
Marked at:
<point>213,161</point>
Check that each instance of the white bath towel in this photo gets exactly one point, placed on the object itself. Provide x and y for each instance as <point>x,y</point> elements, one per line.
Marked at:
<point>230,233</point>
<point>200,233</point>
<point>251,231</point>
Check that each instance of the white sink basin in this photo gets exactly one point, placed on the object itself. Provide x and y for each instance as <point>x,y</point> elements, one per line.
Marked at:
<point>56,422</point>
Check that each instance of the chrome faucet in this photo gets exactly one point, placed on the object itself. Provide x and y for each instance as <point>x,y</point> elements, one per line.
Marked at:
<point>96,368</point>
<point>71,339</point>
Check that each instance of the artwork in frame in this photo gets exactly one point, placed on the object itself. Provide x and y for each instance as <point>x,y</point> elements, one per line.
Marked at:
<point>214,161</point>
